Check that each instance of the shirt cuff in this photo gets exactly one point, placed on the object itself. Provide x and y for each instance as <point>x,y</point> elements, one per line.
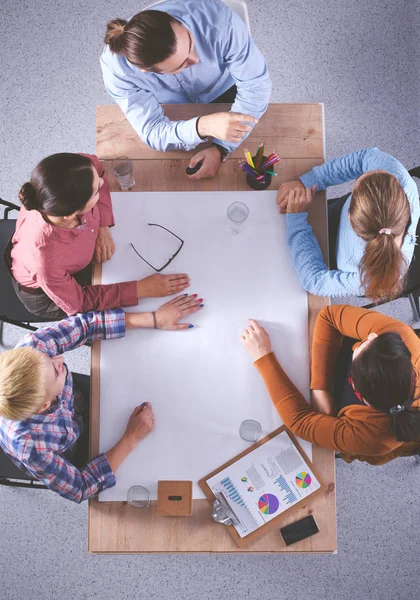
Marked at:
<point>101,470</point>
<point>128,293</point>
<point>113,323</point>
<point>309,179</point>
<point>295,221</point>
<point>106,218</point>
<point>187,131</point>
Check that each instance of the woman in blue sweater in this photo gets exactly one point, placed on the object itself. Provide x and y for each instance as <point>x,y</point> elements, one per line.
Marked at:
<point>377,226</point>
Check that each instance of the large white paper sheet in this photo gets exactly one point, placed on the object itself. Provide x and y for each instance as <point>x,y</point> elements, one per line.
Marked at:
<point>201,382</point>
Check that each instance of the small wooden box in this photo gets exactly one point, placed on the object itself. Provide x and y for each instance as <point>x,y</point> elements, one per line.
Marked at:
<point>174,499</point>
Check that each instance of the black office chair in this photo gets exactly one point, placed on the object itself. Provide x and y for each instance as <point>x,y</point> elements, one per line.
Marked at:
<point>11,476</point>
<point>412,287</point>
<point>11,308</point>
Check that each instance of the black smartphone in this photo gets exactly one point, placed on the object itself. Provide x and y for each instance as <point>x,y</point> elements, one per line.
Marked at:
<point>299,531</point>
<point>192,170</point>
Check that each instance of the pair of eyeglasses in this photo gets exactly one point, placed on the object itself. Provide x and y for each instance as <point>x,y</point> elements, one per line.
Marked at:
<point>171,259</point>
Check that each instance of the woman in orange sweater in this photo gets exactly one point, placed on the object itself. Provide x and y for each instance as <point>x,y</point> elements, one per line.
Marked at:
<point>372,411</point>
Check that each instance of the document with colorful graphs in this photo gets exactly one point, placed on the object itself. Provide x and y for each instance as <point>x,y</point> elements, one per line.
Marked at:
<point>265,482</point>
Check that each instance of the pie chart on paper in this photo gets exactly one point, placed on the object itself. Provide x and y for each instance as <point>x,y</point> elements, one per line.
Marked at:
<point>303,480</point>
<point>268,504</point>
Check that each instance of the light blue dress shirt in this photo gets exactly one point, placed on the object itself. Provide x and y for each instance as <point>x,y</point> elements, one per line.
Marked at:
<point>306,253</point>
<point>227,56</point>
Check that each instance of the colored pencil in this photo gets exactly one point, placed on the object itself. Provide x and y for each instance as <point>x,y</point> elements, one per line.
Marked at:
<point>249,158</point>
<point>248,169</point>
<point>259,155</point>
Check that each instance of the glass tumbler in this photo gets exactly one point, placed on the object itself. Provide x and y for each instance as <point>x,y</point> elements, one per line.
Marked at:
<point>250,430</point>
<point>122,168</point>
<point>237,214</point>
<point>138,496</point>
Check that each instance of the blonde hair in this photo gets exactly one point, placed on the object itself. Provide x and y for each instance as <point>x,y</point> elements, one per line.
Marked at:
<point>22,388</point>
<point>379,202</point>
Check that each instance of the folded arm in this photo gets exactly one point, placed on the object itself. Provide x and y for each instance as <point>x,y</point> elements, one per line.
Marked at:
<point>147,117</point>
<point>248,68</point>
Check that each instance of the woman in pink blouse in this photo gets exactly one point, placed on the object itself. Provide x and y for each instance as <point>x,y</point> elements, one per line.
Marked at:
<point>63,225</point>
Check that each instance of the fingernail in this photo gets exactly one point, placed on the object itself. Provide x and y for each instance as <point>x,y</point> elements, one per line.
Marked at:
<point>200,300</point>
<point>185,294</point>
<point>143,404</point>
<point>201,305</point>
<point>189,326</point>
<point>195,295</point>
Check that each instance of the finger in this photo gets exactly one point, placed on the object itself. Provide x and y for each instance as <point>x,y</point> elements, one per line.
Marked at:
<point>243,338</point>
<point>239,128</point>
<point>175,289</point>
<point>254,324</point>
<point>183,298</point>
<point>177,276</point>
<point>191,310</point>
<point>240,117</point>
<point>182,326</point>
<point>196,159</point>
<point>189,304</point>
<point>233,138</point>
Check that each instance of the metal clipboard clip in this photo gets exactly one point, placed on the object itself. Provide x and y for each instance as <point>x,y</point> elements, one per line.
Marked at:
<point>222,511</point>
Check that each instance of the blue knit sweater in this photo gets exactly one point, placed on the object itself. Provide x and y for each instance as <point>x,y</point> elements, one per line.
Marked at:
<point>306,253</point>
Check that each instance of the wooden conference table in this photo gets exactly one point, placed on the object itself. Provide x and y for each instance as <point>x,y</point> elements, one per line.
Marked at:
<point>296,132</point>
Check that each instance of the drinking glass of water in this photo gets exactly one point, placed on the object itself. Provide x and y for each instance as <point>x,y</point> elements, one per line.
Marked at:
<point>122,168</point>
<point>237,214</point>
<point>138,496</point>
<point>250,430</point>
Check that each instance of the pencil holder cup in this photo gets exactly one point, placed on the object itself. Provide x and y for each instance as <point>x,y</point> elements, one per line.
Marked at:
<point>259,184</point>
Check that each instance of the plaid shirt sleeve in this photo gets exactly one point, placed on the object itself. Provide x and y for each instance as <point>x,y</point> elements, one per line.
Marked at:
<point>60,476</point>
<point>75,331</point>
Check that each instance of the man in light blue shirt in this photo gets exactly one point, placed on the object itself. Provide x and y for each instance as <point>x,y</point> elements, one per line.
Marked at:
<point>187,52</point>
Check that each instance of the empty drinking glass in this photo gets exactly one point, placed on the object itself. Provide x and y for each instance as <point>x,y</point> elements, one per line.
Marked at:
<point>237,214</point>
<point>122,168</point>
<point>138,496</point>
<point>250,430</point>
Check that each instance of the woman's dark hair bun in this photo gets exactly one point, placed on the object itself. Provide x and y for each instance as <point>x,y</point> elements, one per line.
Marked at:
<point>28,197</point>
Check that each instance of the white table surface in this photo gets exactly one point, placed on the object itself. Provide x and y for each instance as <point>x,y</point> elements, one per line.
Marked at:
<point>201,382</point>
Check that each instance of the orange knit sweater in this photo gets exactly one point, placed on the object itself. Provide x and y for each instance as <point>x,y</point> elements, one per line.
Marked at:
<point>357,431</point>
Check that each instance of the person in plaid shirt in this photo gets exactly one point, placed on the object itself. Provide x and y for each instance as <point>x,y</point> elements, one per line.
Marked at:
<point>40,423</point>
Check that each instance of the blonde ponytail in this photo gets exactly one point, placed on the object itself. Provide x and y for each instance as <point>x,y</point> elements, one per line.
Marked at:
<point>379,213</point>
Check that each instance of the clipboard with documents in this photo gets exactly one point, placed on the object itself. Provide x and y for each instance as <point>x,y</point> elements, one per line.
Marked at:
<point>260,485</point>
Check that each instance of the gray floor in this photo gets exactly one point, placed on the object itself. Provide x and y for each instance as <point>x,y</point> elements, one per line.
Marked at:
<point>362,60</point>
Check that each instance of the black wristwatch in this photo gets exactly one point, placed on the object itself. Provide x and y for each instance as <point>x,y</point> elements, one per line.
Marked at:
<point>224,152</point>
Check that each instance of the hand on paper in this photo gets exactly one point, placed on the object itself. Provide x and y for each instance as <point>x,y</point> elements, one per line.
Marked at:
<point>298,200</point>
<point>323,402</point>
<point>105,247</point>
<point>211,162</point>
<point>169,314</point>
<point>256,340</point>
<point>228,126</point>
<point>140,423</point>
<point>283,193</point>
<point>158,285</point>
